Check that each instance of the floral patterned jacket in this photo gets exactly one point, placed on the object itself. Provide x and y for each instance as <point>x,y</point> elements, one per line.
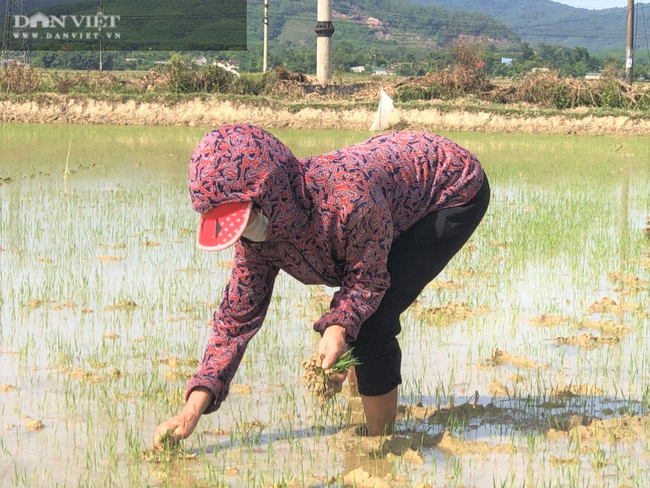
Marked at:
<point>332,220</point>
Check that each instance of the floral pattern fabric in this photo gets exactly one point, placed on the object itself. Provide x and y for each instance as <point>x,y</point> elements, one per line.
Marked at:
<point>332,220</point>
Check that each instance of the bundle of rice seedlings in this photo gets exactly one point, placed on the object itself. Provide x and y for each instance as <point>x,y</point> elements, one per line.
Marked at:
<point>320,381</point>
<point>170,451</point>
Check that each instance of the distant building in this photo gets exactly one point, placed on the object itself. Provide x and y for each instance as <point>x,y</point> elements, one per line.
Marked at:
<point>506,61</point>
<point>541,70</point>
<point>376,70</point>
<point>200,61</point>
<point>593,76</point>
<point>358,69</point>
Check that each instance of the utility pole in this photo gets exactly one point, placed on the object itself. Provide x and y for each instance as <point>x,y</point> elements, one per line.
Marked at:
<point>14,49</point>
<point>101,36</point>
<point>629,59</point>
<point>324,31</point>
<point>266,36</point>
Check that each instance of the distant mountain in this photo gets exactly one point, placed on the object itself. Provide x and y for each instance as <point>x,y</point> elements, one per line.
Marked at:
<point>33,5</point>
<point>365,22</point>
<point>368,24</point>
<point>551,22</point>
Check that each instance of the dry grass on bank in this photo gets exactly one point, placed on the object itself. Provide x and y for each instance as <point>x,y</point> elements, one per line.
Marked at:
<point>542,89</point>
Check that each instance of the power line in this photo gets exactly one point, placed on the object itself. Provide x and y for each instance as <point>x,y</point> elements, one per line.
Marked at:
<point>645,28</point>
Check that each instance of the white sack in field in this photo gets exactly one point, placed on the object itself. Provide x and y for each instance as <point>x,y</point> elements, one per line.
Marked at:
<point>383,112</point>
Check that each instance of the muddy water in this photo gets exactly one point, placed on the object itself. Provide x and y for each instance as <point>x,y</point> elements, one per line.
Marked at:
<point>104,305</point>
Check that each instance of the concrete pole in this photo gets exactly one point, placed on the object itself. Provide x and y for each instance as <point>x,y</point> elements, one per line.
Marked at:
<point>266,36</point>
<point>324,31</point>
<point>629,58</point>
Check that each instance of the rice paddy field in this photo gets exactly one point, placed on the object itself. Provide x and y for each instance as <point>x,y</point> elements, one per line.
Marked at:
<point>526,363</point>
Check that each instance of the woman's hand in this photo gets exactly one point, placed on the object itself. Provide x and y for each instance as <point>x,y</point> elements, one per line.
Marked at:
<point>182,425</point>
<point>333,345</point>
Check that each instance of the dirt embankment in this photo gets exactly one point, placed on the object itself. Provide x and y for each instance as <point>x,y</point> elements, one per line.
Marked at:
<point>215,112</point>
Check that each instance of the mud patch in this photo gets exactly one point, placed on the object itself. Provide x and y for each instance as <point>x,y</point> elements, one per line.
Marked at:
<point>34,303</point>
<point>241,389</point>
<point>449,314</point>
<point>545,320</point>
<point>116,374</point>
<point>84,375</point>
<point>126,305</point>
<point>576,390</point>
<point>587,341</point>
<point>626,284</point>
<point>628,428</point>
<point>455,446</point>
<point>362,479</point>
<point>499,389</point>
<point>172,375</point>
<point>33,425</point>
<point>116,259</point>
<point>175,362</point>
<point>231,471</point>
<point>501,358</point>
<point>410,456</point>
<point>606,327</point>
<point>557,461</point>
<point>445,285</point>
<point>609,305</point>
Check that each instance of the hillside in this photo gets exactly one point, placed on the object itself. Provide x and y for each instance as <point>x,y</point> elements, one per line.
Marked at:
<point>363,22</point>
<point>394,19</point>
<point>551,22</point>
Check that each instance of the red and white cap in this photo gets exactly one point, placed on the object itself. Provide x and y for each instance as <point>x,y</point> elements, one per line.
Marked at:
<point>223,225</point>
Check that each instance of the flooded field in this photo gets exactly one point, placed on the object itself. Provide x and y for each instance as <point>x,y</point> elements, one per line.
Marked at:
<point>527,363</point>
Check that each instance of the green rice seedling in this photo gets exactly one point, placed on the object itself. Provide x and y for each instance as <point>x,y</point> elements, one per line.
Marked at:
<point>171,451</point>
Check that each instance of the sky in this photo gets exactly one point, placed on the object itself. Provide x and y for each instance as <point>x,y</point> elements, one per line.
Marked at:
<point>593,4</point>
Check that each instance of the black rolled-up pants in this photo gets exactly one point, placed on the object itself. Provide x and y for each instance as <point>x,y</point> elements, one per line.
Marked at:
<point>415,259</point>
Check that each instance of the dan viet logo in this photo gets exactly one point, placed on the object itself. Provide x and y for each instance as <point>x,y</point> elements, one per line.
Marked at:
<point>66,27</point>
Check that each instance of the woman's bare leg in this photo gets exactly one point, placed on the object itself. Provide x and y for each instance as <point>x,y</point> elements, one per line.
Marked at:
<point>352,382</point>
<point>381,412</point>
